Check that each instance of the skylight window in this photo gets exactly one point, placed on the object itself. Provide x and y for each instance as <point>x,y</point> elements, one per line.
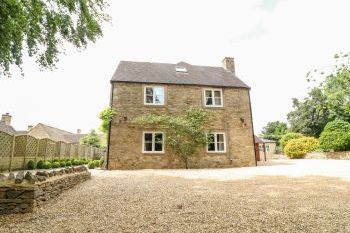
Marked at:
<point>180,69</point>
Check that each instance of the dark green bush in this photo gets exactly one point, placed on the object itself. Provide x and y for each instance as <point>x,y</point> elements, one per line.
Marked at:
<point>55,165</point>
<point>75,162</point>
<point>287,137</point>
<point>336,136</point>
<point>68,163</point>
<point>31,165</point>
<point>298,148</point>
<point>91,165</point>
<point>40,164</point>
<point>47,165</point>
<point>63,164</point>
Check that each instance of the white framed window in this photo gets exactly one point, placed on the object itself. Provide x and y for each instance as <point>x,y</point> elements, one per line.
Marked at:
<point>153,142</point>
<point>216,142</point>
<point>154,95</point>
<point>213,98</point>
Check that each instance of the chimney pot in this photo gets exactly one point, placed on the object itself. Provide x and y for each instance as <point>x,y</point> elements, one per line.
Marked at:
<point>78,131</point>
<point>229,64</point>
<point>6,118</point>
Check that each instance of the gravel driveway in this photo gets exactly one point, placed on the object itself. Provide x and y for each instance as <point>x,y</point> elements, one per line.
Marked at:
<point>207,200</point>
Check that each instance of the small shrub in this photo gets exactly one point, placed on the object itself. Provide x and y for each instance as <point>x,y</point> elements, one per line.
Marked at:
<point>297,148</point>
<point>335,136</point>
<point>47,165</point>
<point>75,162</point>
<point>63,164</point>
<point>55,160</point>
<point>91,165</point>
<point>289,136</point>
<point>55,165</point>
<point>31,165</point>
<point>68,163</point>
<point>97,163</point>
<point>40,164</point>
<point>102,160</point>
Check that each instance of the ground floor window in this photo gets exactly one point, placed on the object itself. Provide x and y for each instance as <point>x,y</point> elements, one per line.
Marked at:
<point>153,142</point>
<point>216,142</point>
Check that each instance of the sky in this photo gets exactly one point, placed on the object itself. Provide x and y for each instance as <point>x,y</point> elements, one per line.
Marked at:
<point>274,43</point>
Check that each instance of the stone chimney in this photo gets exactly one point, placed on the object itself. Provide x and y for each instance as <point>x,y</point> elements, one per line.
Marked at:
<point>30,127</point>
<point>78,131</point>
<point>229,64</point>
<point>6,118</point>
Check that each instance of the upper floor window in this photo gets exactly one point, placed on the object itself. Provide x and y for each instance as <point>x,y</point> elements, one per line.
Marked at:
<point>153,142</point>
<point>213,97</point>
<point>216,142</point>
<point>154,95</point>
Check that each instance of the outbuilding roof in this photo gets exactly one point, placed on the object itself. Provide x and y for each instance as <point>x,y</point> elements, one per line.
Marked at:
<point>164,73</point>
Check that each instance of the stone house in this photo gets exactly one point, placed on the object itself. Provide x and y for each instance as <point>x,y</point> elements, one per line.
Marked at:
<point>141,88</point>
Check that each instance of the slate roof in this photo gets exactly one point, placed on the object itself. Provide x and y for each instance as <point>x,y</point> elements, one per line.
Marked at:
<point>164,73</point>
<point>7,128</point>
<point>45,131</point>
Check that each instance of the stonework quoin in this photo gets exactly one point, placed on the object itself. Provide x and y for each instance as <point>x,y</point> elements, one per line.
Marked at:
<point>232,115</point>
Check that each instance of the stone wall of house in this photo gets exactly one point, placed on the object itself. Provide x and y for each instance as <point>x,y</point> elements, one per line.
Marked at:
<point>234,118</point>
<point>328,155</point>
<point>25,191</point>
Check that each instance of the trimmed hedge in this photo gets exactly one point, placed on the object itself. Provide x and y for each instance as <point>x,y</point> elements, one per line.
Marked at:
<point>31,165</point>
<point>336,136</point>
<point>297,148</point>
<point>289,136</point>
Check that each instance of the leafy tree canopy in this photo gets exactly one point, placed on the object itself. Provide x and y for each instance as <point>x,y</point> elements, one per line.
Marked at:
<point>40,28</point>
<point>185,134</point>
<point>329,101</point>
<point>274,130</point>
<point>92,139</point>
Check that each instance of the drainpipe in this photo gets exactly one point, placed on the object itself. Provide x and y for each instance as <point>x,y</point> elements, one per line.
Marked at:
<point>109,127</point>
<point>251,118</point>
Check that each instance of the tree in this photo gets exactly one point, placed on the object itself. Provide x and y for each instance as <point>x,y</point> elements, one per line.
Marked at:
<point>185,134</point>
<point>106,116</point>
<point>274,130</point>
<point>41,27</point>
<point>289,136</point>
<point>92,139</point>
<point>310,115</point>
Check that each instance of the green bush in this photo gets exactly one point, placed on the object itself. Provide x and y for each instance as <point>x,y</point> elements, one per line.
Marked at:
<point>47,165</point>
<point>97,163</point>
<point>91,165</point>
<point>297,148</point>
<point>102,160</point>
<point>31,165</point>
<point>335,136</point>
<point>289,136</point>
<point>63,164</point>
<point>68,163</point>
<point>40,164</point>
<point>75,162</point>
<point>55,165</point>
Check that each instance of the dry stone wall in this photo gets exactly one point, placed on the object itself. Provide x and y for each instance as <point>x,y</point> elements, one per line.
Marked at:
<point>22,192</point>
<point>328,155</point>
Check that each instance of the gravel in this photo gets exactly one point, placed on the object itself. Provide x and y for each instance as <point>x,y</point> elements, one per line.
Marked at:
<point>173,201</point>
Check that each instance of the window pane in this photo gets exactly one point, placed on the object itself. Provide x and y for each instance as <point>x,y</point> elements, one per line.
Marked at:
<point>148,146</point>
<point>149,99</point>
<point>148,137</point>
<point>211,144</point>
<point>218,101</point>
<point>149,91</point>
<point>220,146</point>
<point>217,94</point>
<point>159,99</point>
<point>209,101</point>
<point>208,93</point>
<point>220,137</point>
<point>158,144</point>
